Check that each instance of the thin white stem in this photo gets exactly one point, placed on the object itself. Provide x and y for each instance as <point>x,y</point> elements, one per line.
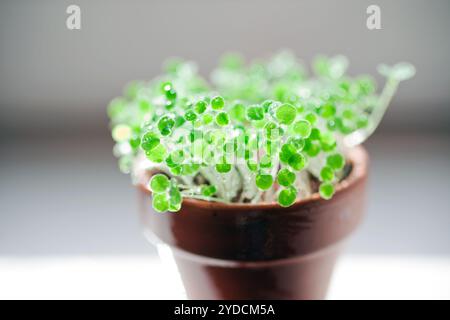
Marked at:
<point>249,189</point>
<point>270,194</point>
<point>361,135</point>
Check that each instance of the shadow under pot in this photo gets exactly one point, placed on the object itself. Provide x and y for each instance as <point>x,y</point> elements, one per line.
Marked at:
<point>261,251</point>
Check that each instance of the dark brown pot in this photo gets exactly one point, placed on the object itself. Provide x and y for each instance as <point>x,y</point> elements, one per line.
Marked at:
<point>262,251</point>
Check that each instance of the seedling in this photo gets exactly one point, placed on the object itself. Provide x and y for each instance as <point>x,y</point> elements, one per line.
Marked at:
<point>263,132</point>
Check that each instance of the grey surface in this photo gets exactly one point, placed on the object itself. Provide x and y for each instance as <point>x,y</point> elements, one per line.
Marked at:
<point>66,196</point>
<point>49,74</point>
<point>409,196</point>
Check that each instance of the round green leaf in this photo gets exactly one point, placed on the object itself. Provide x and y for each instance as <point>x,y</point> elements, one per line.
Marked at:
<point>237,112</point>
<point>160,202</point>
<point>311,148</point>
<point>287,151</point>
<point>327,174</point>
<point>208,191</point>
<point>222,119</point>
<point>336,161</point>
<point>302,128</point>
<point>223,167</point>
<point>253,167</point>
<point>297,143</point>
<point>150,141</point>
<point>315,134</point>
<point>159,183</point>
<point>217,103</point>
<point>157,154</point>
<point>190,115</point>
<point>265,161</point>
<point>264,181</point>
<point>171,94</point>
<point>200,107</point>
<point>286,177</point>
<point>326,190</point>
<point>207,119</point>
<point>179,121</point>
<point>327,141</point>
<point>174,207</point>
<point>175,158</point>
<point>255,113</point>
<point>328,110</point>
<point>165,125</point>
<point>175,199</point>
<point>286,113</point>
<point>311,118</point>
<point>297,161</point>
<point>287,197</point>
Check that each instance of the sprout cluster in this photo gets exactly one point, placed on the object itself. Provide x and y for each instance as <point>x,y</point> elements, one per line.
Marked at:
<point>262,132</point>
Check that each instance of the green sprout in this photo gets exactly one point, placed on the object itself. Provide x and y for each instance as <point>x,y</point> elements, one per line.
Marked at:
<point>259,132</point>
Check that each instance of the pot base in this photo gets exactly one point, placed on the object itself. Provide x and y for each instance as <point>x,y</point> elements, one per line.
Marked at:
<point>305,278</point>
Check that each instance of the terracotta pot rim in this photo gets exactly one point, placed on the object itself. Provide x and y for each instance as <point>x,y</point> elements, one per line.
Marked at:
<point>358,157</point>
